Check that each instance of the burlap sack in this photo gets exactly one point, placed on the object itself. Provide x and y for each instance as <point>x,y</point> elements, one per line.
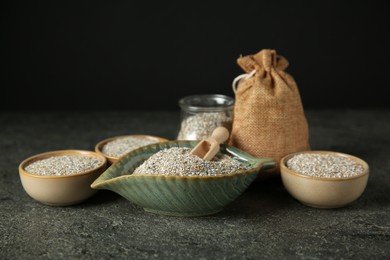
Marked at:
<point>269,120</point>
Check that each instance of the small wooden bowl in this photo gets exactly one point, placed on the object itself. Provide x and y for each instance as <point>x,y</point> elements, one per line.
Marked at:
<point>60,190</point>
<point>322,192</point>
<point>112,159</point>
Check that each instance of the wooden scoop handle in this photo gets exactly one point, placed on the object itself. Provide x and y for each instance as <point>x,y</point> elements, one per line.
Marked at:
<point>220,134</point>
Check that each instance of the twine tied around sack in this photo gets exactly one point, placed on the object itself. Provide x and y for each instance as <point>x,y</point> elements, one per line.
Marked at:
<point>240,77</point>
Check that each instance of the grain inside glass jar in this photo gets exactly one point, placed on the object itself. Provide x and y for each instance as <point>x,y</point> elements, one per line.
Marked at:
<point>324,165</point>
<point>63,165</point>
<point>201,114</point>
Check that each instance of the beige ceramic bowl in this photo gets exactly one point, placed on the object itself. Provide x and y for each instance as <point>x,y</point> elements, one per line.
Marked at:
<point>321,192</point>
<point>112,159</point>
<point>60,190</point>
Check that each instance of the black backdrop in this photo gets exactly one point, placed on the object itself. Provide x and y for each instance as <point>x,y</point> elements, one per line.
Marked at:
<point>146,55</point>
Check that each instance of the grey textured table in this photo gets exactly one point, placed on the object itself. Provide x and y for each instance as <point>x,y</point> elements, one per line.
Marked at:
<point>265,222</point>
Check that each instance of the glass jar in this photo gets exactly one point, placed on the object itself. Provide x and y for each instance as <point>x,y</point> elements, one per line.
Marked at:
<point>201,114</point>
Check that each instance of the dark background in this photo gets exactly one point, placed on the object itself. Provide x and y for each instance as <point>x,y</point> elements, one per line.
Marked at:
<point>147,55</point>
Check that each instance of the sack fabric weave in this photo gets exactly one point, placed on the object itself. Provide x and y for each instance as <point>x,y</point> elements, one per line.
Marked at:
<point>269,119</point>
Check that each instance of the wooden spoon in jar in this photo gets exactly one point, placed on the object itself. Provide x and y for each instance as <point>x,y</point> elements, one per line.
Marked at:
<point>209,147</point>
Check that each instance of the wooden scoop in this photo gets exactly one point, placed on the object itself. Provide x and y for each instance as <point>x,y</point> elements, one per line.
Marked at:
<point>209,147</point>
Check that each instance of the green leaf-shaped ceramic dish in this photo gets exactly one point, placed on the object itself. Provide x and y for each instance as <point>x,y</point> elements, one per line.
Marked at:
<point>178,195</point>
